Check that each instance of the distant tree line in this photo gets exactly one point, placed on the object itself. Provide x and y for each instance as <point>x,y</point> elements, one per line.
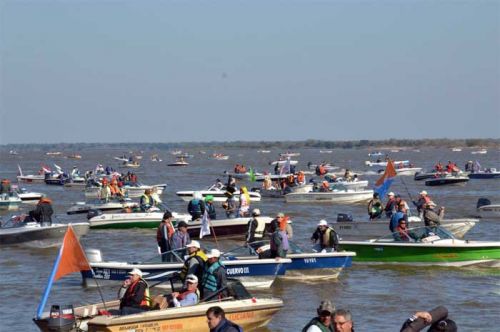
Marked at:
<point>283,145</point>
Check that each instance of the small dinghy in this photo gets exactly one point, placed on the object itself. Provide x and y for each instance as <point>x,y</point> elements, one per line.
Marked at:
<point>179,162</point>
<point>85,207</point>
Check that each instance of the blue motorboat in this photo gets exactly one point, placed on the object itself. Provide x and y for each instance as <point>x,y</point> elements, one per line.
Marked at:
<point>305,265</point>
<point>489,173</point>
<point>253,273</point>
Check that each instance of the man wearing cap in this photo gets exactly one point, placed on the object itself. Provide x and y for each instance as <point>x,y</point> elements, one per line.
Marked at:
<point>209,206</point>
<point>255,227</point>
<point>422,200</point>
<point>195,262</point>
<point>327,237</point>
<point>390,206</point>
<point>431,217</point>
<point>196,206</point>
<point>323,322</point>
<point>189,293</point>
<point>136,297</point>
<point>181,237</point>
<point>214,277</point>
<point>164,235</point>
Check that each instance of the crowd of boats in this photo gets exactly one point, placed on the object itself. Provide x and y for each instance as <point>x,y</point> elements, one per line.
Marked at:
<point>109,204</point>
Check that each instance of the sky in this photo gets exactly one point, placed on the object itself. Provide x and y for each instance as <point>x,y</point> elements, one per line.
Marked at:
<point>186,71</point>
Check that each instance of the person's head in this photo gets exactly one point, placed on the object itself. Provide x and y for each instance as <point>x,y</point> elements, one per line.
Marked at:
<point>430,205</point>
<point>167,216</point>
<point>390,195</point>
<point>445,325</point>
<point>402,223</point>
<point>209,199</point>
<point>325,311</point>
<point>136,274</point>
<point>423,193</point>
<point>193,246</point>
<point>342,320</point>
<point>213,255</point>
<point>323,224</point>
<point>197,195</point>
<point>397,197</point>
<point>255,212</point>
<point>376,195</point>
<point>280,216</point>
<point>214,316</point>
<point>191,281</point>
<point>147,192</point>
<point>182,226</point>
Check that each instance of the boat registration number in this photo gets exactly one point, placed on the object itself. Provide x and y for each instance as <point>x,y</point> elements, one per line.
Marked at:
<point>309,260</point>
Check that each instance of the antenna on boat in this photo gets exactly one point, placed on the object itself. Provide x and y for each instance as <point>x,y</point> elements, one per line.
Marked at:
<point>99,289</point>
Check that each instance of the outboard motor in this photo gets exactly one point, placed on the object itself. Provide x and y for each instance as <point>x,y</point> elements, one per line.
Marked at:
<point>61,319</point>
<point>341,217</point>
<point>93,213</point>
<point>483,201</point>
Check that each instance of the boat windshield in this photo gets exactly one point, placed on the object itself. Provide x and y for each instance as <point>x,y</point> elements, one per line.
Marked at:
<point>418,234</point>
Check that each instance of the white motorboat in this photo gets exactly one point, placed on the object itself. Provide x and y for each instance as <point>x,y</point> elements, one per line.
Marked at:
<point>13,152</point>
<point>363,230</point>
<point>332,197</point>
<point>456,149</point>
<point>289,154</point>
<point>180,161</point>
<point>486,210</point>
<point>278,193</point>
<point>482,151</point>
<point>408,170</point>
<point>85,207</point>
<point>130,191</point>
<point>375,154</point>
<point>27,196</point>
<point>10,202</point>
<point>124,220</point>
<point>54,153</point>
<point>350,185</point>
<point>384,163</point>
<point>217,193</point>
<point>283,162</point>
<point>219,156</point>
<point>130,165</point>
<point>325,151</point>
<point>264,151</point>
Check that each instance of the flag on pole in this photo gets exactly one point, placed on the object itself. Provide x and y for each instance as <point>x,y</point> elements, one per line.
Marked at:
<point>252,175</point>
<point>384,182</point>
<point>71,258</point>
<point>205,227</point>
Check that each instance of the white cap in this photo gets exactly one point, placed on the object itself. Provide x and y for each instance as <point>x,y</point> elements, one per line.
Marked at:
<point>191,278</point>
<point>136,271</point>
<point>256,212</point>
<point>323,222</point>
<point>213,253</point>
<point>194,243</point>
<point>423,192</point>
<point>390,194</point>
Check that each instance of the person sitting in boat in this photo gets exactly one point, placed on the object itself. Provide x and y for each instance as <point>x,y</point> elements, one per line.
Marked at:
<point>115,189</point>
<point>375,207</point>
<point>267,184</point>
<point>164,234</point>
<point>75,172</point>
<point>395,220</point>
<point>210,207</point>
<point>181,237</point>
<point>422,200</point>
<point>43,211</point>
<point>326,238</point>
<point>402,233</point>
<point>214,277</point>
<point>438,167</point>
<point>5,188</point>
<point>301,178</point>
<point>136,297</point>
<point>322,322</point>
<point>230,204</point>
<point>189,294</point>
<point>348,175</point>
<point>147,201</point>
<point>244,208</point>
<point>217,322</point>
<point>325,187</point>
<point>255,227</point>
<point>196,206</point>
<point>194,263</point>
<point>390,206</point>
<point>105,191</point>
<point>290,180</point>
<point>431,217</point>
<point>279,240</point>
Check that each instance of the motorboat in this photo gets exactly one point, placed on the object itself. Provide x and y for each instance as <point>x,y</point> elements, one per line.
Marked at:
<point>13,152</point>
<point>375,154</point>
<point>279,193</point>
<point>424,175</point>
<point>447,178</point>
<point>220,156</point>
<point>74,156</point>
<point>127,220</point>
<point>482,151</point>
<point>85,207</point>
<point>424,246</point>
<point>343,184</point>
<point>305,265</point>
<point>264,151</point>
<point>488,173</point>
<point>76,182</point>
<point>407,170</point>
<point>124,159</point>
<point>283,162</point>
<point>289,154</point>
<point>253,273</point>
<point>233,227</point>
<point>327,166</point>
<point>249,312</point>
<point>456,149</point>
<point>384,163</point>
<point>336,196</point>
<point>363,230</point>
<point>130,190</point>
<point>10,202</point>
<point>486,210</point>
<point>31,178</point>
<point>17,231</point>
<point>27,196</point>
<point>127,164</point>
<point>217,193</point>
<point>325,151</point>
<point>155,158</point>
<point>180,161</point>
<point>53,153</point>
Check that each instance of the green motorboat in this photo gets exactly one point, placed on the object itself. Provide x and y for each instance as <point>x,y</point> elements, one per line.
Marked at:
<point>424,246</point>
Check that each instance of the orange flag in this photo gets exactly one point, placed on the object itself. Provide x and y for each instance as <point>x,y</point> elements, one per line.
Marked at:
<point>72,256</point>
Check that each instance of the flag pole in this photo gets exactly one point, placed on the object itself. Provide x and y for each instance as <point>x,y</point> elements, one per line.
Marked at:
<point>99,289</point>
<point>46,293</point>
<point>213,231</point>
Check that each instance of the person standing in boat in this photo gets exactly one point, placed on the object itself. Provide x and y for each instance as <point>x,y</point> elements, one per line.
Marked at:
<point>136,297</point>
<point>422,200</point>
<point>43,211</point>
<point>244,208</point>
<point>326,238</point>
<point>322,322</point>
<point>5,188</point>
<point>375,207</point>
<point>279,240</point>
<point>214,277</point>
<point>196,206</point>
<point>210,207</point>
<point>181,237</point>
<point>230,204</point>
<point>105,192</point>
<point>146,202</point>
<point>390,206</point>
<point>164,235</point>
<point>194,263</point>
<point>255,227</point>
<point>431,217</point>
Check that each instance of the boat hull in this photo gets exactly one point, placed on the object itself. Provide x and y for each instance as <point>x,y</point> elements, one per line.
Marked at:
<point>484,175</point>
<point>446,181</point>
<point>31,178</point>
<point>491,211</point>
<point>40,236</point>
<point>340,197</point>
<point>218,195</point>
<point>317,266</point>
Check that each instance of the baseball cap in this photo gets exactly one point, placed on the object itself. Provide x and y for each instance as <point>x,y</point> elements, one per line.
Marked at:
<point>256,212</point>
<point>191,278</point>
<point>194,244</point>
<point>280,215</point>
<point>326,305</point>
<point>423,192</point>
<point>213,253</point>
<point>136,271</point>
<point>323,222</point>
<point>390,194</point>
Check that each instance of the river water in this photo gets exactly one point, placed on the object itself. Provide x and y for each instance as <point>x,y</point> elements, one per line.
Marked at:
<point>380,298</point>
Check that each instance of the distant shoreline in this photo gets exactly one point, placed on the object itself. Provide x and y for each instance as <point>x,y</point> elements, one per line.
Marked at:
<point>285,145</point>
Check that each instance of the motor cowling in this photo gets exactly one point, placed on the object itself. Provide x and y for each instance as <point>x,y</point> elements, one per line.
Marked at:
<point>61,318</point>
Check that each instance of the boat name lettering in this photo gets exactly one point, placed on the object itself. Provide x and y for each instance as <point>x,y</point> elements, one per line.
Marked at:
<point>449,255</point>
<point>128,327</point>
<point>309,260</point>
<point>102,274</point>
<point>344,227</point>
<point>238,270</point>
<point>172,327</point>
<point>241,315</point>
<point>379,249</point>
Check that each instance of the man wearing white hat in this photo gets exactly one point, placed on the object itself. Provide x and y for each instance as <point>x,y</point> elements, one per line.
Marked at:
<point>136,297</point>
<point>214,277</point>
<point>390,206</point>
<point>422,200</point>
<point>326,237</point>
<point>189,294</point>
<point>195,262</point>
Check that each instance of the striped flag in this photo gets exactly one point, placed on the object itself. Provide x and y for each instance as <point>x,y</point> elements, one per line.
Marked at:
<point>384,182</point>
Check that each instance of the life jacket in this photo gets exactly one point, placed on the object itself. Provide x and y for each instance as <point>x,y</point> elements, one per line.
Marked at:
<point>146,301</point>
<point>182,295</point>
<point>327,240</point>
<point>316,322</point>
<point>259,231</point>
<point>145,200</point>
<point>201,258</point>
<point>209,280</point>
